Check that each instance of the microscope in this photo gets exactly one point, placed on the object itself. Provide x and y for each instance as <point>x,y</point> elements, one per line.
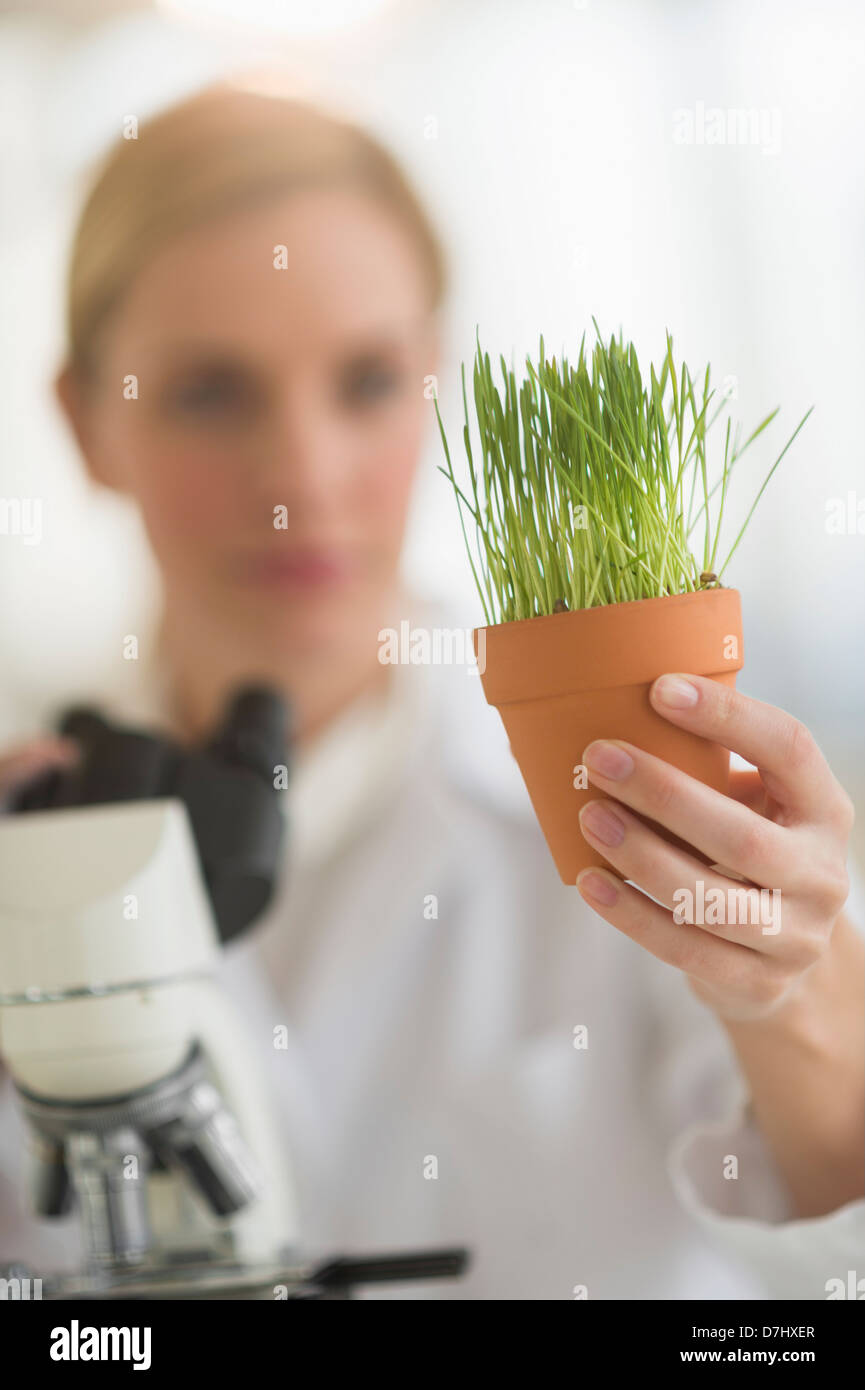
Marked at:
<point>119,881</point>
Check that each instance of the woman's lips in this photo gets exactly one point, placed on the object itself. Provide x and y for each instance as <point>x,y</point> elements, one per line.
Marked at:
<point>300,569</point>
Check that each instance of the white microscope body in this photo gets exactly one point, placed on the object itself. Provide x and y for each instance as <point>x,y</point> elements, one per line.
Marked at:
<point>142,1096</point>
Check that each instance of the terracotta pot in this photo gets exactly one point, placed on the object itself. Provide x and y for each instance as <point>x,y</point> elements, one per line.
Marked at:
<point>561,682</point>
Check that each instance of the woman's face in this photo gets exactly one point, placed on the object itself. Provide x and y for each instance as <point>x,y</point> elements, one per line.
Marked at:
<point>279,414</point>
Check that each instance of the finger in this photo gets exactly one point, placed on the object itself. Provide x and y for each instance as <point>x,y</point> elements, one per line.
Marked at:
<point>722,829</point>
<point>792,768</point>
<point>21,764</point>
<point>694,894</point>
<point>721,964</point>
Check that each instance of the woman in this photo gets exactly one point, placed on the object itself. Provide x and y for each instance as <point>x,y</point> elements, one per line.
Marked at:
<point>476,1056</point>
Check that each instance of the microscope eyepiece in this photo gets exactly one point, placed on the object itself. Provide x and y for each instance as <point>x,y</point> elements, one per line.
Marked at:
<point>254,732</point>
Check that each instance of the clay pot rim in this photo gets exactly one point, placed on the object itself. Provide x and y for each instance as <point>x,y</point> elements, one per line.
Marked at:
<point>674,599</point>
<point>630,643</point>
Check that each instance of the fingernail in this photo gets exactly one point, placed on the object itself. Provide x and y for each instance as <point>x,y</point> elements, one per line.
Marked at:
<point>603,823</point>
<point>675,692</point>
<point>608,760</point>
<point>594,885</point>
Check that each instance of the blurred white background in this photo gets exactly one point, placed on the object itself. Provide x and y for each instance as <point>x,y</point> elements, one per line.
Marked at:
<point>543,136</point>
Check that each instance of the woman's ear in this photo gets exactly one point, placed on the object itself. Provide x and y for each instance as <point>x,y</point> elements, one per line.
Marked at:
<point>77,406</point>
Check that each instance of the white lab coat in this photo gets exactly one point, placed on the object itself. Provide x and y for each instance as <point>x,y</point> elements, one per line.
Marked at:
<point>431,970</point>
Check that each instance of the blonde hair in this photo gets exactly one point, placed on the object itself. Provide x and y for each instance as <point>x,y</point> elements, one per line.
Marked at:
<point>214,152</point>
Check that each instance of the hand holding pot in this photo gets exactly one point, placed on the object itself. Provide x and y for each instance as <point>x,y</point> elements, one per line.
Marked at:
<point>746,934</point>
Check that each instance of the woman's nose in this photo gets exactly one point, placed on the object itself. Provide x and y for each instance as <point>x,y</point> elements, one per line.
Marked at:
<point>301,456</point>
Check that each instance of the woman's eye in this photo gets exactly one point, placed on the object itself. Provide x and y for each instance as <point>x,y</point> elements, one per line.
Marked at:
<point>206,396</point>
<point>364,385</point>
